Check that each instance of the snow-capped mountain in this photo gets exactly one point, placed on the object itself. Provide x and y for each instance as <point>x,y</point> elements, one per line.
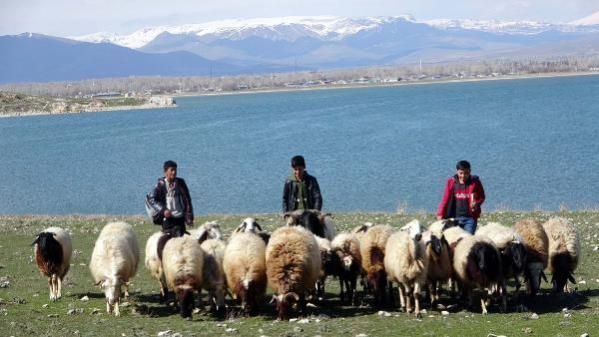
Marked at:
<point>276,29</point>
<point>326,28</point>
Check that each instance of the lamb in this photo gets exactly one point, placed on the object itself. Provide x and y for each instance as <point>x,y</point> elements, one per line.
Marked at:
<point>245,269</point>
<point>477,264</point>
<point>213,274</point>
<point>346,248</point>
<point>183,263</point>
<point>320,224</point>
<point>439,262</point>
<point>292,266</point>
<point>406,263</point>
<point>564,252</point>
<point>511,248</point>
<point>114,262</point>
<point>537,250</point>
<point>372,251</point>
<point>453,235</point>
<point>52,250</point>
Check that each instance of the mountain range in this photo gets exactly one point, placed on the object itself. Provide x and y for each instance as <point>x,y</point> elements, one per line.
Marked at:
<point>285,44</point>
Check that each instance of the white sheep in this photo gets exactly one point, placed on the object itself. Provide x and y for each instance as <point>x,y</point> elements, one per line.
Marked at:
<point>292,266</point>
<point>440,268</point>
<point>154,263</point>
<point>52,250</point>
<point>245,269</point>
<point>183,263</point>
<point>346,248</point>
<point>250,225</point>
<point>328,265</point>
<point>208,230</point>
<point>114,262</point>
<point>406,263</point>
<point>564,252</point>
<point>213,273</point>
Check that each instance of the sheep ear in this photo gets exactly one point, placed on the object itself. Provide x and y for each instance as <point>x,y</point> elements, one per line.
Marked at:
<point>203,237</point>
<point>36,240</point>
<point>241,227</point>
<point>99,283</point>
<point>258,226</point>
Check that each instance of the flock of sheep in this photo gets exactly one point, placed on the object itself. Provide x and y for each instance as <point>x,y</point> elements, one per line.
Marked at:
<point>296,258</point>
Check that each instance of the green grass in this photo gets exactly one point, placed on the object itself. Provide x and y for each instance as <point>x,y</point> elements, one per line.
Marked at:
<point>22,311</point>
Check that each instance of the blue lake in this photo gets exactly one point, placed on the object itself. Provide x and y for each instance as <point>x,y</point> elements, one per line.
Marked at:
<point>533,142</point>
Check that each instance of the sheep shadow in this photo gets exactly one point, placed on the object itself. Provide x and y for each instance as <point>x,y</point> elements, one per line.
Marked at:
<point>547,302</point>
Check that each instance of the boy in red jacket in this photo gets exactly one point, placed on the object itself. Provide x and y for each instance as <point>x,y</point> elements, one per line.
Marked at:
<point>463,197</point>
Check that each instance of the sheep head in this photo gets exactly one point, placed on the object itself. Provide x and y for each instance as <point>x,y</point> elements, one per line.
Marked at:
<point>534,273</point>
<point>112,291</point>
<point>248,225</point>
<point>284,303</point>
<point>561,272</point>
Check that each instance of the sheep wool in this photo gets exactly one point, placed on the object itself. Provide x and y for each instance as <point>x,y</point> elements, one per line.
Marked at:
<point>564,251</point>
<point>52,250</point>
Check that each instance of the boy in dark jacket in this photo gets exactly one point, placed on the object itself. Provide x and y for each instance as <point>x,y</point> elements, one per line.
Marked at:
<point>301,190</point>
<point>171,202</point>
<point>463,197</point>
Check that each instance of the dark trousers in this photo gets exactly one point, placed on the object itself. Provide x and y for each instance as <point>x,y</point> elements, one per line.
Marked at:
<point>174,226</point>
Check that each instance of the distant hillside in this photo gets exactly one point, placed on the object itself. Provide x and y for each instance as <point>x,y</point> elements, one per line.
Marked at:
<point>40,58</point>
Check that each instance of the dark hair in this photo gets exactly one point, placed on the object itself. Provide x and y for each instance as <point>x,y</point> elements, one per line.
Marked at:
<point>298,161</point>
<point>462,165</point>
<point>169,163</point>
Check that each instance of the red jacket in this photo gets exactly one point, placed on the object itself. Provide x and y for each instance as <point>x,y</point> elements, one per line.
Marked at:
<point>447,205</point>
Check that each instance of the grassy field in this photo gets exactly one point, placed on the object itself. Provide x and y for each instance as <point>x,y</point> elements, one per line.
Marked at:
<point>25,309</point>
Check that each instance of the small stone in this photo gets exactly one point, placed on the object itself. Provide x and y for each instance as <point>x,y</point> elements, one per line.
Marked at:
<point>45,306</point>
<point>303,321</point>
<point>596,248</point>
<point>125,304</point>
<point>584,335</point>
<point>445,313</point>
<point>84,298</point>
<point>53,315</point>
<point>297,329</point>
<point>431,316</point>
<point>4,282</point>
<point>423,311</point>
<point>230,330</point>
<point>534,316</point>
<point>567,315</point>
<point>164,333</point>
<point>177,334</point>
<point>196,310</point>
<point>293,320</point>
<point>527,330</point>
<point>95,311</point>
<point>384,313</point>
<point>362,335</point>
<point>565,310</point>
<point>582,282</point>
<point>71,312</point>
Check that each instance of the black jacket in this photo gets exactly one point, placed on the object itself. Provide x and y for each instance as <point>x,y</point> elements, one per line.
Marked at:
<point>313,199</point>
<point>157,199</point>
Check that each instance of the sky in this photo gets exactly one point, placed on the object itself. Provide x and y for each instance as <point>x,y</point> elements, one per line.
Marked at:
<point>79,17</point>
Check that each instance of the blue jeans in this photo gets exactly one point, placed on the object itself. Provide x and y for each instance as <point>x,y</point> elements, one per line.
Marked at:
<point>467,223</point>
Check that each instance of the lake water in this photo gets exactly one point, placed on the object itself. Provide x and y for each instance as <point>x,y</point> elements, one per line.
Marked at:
<point>533,142</point>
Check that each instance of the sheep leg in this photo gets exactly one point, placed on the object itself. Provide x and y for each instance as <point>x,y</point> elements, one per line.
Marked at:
<point>408,297</point>
<point>341,294</point>
<point>417,300</point>
<point>503,296</point>
<point>108,308</point>
<point>352,291</point>
<point>518,284</point>
<point>58,287</point>
<point>483,304</point>
<point>402,299</point>
<point>117,312</point>
<point>51,286</point>
<point>126,290</point>
<point>431,292</point>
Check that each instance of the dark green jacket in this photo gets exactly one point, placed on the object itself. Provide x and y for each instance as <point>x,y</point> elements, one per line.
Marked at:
<point>312,198</point>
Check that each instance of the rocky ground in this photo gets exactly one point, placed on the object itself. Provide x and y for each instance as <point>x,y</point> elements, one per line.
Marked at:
<point>25,309</point>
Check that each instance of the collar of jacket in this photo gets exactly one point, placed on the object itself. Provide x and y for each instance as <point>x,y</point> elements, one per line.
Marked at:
<point>293,178</point>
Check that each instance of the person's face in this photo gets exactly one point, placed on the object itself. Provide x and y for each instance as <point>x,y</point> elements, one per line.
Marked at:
<point>170,173</point>
<point>299,171</point>
<point>463,175</point>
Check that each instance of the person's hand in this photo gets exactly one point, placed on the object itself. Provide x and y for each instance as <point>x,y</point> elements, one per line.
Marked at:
<point>167,214</point>
<point>474,207</point>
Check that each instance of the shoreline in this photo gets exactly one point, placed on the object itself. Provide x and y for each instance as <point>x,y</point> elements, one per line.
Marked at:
<point>92,110</point>
<point>392,84</point>
<point>300,89</point>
